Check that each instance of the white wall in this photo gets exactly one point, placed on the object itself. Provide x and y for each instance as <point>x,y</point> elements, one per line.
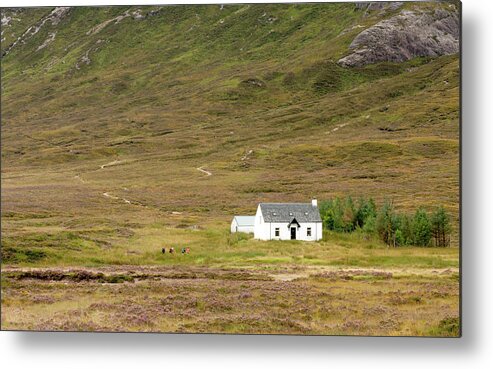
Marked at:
<point>246,229</point>
<point>320,233</point>
<point>234,226</point>
<point>266,231</point>
<point>237,228</point>
<point>260,229</point>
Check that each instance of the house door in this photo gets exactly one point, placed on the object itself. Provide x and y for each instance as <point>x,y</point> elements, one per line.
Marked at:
<point>293,233</point>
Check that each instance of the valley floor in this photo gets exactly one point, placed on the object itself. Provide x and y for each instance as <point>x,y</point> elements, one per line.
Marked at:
<point>281,299</point>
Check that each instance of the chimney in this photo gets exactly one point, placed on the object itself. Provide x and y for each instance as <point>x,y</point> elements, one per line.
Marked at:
<point>314,203</point>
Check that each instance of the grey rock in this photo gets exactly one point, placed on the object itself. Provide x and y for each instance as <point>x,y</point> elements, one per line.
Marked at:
<point>54,18</point>
<point>394,5</point>
<point>405,36</point>
<point>376,5</point>
<point>379,5</point>
<point>361,5</point>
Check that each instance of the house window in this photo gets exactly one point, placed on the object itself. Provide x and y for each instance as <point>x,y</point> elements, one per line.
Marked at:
<point>276,232</point>
<point>309,232</point>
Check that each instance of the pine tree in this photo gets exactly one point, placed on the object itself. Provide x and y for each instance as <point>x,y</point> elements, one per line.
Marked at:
<point>359,217</point>
<point>421,228</point>
<point>348,216</point>
<point>326,214</point>
<point>440,227</point>
<point>338,214</point>
<point>370,225</point>
<point>406,227</point>
<point>399,238</point>
<point>386,223</point>
<point>365,211</point>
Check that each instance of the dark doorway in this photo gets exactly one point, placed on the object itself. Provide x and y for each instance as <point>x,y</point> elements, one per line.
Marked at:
<point>293,233</point>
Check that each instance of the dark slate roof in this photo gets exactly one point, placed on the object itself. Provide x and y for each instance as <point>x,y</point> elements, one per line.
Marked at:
<point>285,212</point>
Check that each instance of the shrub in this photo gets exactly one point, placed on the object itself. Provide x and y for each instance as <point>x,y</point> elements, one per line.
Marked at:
<point>448,327</point>
<point>13,255</point>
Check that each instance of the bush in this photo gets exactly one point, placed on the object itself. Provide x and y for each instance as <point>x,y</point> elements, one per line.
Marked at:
<point>13,255</point>
<point>447,327</point>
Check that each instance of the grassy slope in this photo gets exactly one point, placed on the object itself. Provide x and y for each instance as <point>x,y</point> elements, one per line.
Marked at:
<point>166,95</point>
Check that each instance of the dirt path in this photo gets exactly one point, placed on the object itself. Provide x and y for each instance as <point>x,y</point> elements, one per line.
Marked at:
<point>107,194</point>
<point>338,127</point>
<point>204,171</point>
<point>111,164</point>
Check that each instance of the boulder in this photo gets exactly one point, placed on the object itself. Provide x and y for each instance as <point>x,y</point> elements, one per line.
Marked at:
<point>405,36</point>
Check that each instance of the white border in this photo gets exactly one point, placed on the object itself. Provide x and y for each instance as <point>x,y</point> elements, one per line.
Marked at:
<point>474,350</point>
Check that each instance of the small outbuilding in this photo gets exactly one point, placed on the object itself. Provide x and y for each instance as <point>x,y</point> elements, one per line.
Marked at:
<point>243,223</point>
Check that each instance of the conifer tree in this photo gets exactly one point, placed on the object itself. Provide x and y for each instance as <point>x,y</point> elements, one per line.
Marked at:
<point>385,223</point>
<point>440,227</point>
<point>421,228</point>
<point>348,216</point>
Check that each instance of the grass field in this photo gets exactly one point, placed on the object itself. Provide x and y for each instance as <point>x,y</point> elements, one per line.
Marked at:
<point>124,135</point>
<point>232,284</point>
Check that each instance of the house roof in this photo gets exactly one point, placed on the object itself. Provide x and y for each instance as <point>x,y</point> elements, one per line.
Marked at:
<point>286,212</point>
<point>245,220</point>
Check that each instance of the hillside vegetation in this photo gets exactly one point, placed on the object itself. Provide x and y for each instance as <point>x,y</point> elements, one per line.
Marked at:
<point>130,101</point>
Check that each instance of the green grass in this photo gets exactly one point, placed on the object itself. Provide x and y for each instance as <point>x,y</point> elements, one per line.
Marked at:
<point>447,327</point>
<point>210,246</point>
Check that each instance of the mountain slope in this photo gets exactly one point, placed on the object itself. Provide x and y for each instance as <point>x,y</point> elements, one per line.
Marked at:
<point>112,115</point>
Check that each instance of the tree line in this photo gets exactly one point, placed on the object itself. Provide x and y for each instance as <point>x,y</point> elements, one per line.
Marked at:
<point>393,228</point>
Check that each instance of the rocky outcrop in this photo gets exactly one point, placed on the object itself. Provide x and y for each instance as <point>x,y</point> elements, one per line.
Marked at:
<point>405,36</point>
<point>136,15</point>
<point>378,5</point>
<point>54,18</point>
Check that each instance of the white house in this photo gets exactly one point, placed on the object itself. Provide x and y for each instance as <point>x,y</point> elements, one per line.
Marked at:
<point>282,221</point>
<point>288,221</point>
<point>243,223</point>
